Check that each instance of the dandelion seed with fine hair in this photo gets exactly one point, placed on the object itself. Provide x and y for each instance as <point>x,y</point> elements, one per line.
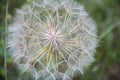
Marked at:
<point>52,39</point>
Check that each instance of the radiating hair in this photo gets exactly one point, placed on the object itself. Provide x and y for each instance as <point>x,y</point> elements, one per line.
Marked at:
<point>51,39</point>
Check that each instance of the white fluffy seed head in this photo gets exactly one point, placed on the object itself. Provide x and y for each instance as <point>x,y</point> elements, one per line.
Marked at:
<point>52,39</point>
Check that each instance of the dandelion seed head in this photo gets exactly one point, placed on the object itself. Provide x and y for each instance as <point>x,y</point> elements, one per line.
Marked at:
<point>51,39</point>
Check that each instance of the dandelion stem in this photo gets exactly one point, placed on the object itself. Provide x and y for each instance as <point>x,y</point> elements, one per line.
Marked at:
<point>5,56</point>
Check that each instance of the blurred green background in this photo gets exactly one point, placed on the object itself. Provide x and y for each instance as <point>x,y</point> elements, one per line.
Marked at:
<point>106,14</point>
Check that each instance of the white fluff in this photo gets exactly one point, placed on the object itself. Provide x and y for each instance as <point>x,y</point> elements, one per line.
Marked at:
<point>52,39</point>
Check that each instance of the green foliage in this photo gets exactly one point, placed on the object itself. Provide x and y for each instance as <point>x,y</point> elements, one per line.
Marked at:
<point>106,13</point>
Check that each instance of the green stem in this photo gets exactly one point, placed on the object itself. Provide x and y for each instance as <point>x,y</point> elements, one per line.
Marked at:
<point>5,54</point>
<point>109,30</point>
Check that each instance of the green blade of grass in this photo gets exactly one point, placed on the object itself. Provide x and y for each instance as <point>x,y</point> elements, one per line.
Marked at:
<point>5,54</point>
<point>109,30</point>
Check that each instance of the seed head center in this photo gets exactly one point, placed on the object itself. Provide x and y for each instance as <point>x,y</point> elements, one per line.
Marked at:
<point>54,38</point>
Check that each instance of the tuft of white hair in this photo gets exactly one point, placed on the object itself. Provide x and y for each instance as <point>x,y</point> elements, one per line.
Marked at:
<point>51,39</point>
